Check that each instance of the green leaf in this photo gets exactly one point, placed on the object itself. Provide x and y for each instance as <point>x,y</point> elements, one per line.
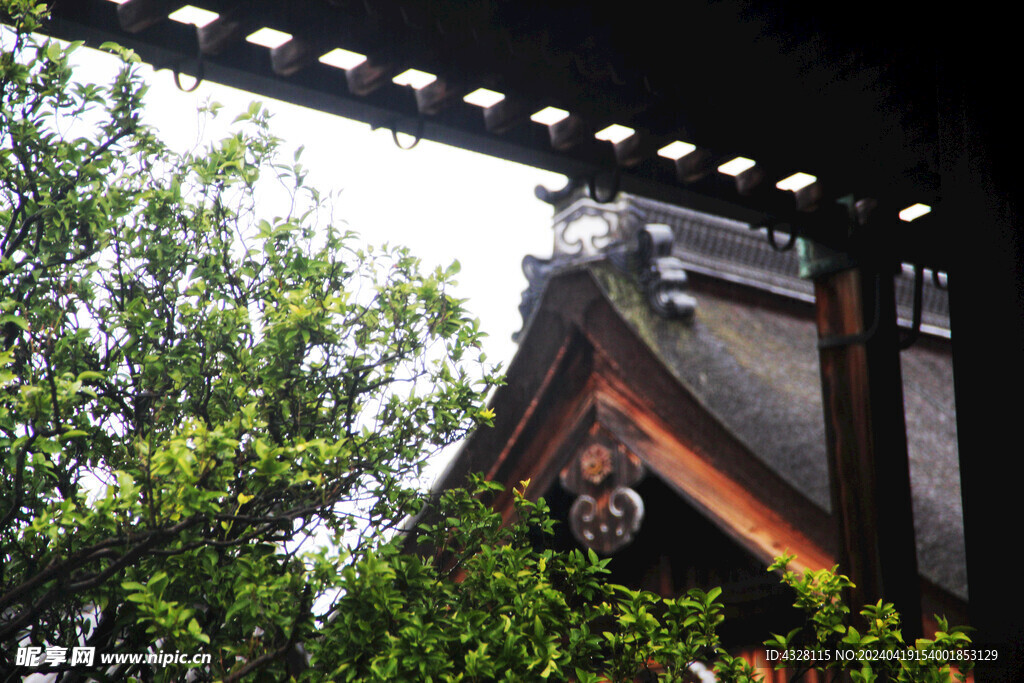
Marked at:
<point>14,320</point>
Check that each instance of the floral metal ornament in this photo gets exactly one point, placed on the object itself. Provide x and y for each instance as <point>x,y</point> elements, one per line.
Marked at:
<point>606,513</point>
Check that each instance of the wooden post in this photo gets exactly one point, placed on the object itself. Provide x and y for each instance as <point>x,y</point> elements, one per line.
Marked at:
<point>866,433</point>
<point>983,202</point>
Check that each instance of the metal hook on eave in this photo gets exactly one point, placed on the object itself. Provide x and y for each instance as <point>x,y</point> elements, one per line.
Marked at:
<point>592,187</point>
<point>774,242</point>
<point>417,136</point>
<point>200,73</point>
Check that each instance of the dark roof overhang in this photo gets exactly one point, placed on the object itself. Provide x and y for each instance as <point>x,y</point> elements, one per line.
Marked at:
<point>852,101</point>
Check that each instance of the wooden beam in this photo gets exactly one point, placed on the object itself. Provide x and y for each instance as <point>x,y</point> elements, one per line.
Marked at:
<point>729,504</point>
<point>437,96</point>
<point>864,425</point>
<point>137,15</point>
<point>635,149</point>
<point>294,56</point>
<point>222,33</point>
<point>368,76</point>
<point>505,115</point>
<point>568,132</point>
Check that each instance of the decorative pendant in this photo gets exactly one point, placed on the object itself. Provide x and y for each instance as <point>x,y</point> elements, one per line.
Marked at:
<point>606,513</point>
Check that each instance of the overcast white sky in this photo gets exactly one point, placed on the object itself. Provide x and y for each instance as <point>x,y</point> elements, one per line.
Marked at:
<point>442,202</point>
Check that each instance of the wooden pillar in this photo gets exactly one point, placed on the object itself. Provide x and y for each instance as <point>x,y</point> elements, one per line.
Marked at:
<point>983,201</point>
<point>866,433</point>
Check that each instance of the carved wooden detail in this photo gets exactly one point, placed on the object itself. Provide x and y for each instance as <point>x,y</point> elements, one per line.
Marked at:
<point>607,512</point>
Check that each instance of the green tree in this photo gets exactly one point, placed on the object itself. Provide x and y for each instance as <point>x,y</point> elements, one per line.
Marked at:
<point>488,602</point>
<point>880,653</point>
<point>201,406</point>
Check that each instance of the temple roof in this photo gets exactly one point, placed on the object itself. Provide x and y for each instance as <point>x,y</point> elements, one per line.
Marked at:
<point>737,385</point>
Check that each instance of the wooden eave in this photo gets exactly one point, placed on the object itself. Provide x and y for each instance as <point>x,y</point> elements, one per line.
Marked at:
<point>841,95</point>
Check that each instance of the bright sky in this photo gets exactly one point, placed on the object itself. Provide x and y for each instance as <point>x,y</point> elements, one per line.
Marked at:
<point>442,202</point>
